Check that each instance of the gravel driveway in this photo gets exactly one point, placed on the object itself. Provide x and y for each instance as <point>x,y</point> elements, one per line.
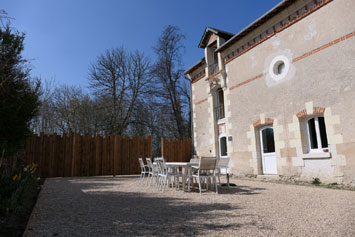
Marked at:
<point>107,206</point>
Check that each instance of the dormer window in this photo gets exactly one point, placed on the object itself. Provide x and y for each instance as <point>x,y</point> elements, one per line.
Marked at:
<point>214,60</point>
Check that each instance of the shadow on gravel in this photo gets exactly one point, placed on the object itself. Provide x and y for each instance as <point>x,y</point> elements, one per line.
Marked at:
<point>234,190</point>
<point>100,211</point>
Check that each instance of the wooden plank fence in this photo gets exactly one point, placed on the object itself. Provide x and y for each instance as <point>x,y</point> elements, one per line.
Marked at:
<point>84,155</point>
<point>176,150</point>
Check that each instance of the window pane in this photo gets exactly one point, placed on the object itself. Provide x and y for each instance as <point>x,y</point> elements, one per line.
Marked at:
<point>280,68</point>
<point>223,144</point>
<point>268,140</point>
<point>323,133</point>
<point>220,105</point>
<point>312,134</point>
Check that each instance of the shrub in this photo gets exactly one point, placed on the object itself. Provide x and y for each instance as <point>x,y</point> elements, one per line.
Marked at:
<point>14,189</point>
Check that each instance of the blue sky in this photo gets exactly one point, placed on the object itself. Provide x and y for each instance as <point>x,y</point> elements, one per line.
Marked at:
<point>64,36</point>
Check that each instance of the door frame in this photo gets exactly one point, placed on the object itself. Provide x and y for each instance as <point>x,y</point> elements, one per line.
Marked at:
<point>270,154</point>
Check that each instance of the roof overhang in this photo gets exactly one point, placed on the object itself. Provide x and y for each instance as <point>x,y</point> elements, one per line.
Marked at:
<point>210,30</point>
<point>199,63</point>
<point>261,20</point>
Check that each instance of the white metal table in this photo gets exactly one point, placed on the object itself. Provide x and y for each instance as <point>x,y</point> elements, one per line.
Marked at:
<point>186,171</point>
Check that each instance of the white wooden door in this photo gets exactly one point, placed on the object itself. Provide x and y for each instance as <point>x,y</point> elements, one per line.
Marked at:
<point>268,155</point>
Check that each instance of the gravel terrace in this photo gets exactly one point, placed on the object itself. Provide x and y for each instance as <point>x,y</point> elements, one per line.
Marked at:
<point>107,206</point>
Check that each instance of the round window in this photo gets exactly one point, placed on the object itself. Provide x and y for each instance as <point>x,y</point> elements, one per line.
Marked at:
<point>279,67</point>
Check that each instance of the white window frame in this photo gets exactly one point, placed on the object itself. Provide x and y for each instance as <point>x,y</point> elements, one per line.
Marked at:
<point>319,140</point>
<point>273,67</point>
<point>219,145</point>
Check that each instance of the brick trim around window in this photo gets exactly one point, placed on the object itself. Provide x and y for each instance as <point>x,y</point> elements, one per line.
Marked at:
<point>316,110</point>
<point>268,121</point>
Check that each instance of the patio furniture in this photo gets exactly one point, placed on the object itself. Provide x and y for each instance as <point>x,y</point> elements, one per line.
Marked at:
<point>223,165</point>
<point>143,170</point>
<point>205,169</point>
<point>158,169</point>
<point>194,160</point>
<point>185,171</point>
<point>152,170</point>
<point>165,173</point>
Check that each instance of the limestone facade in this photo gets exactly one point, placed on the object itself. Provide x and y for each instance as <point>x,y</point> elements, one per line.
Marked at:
<point>285,74</point>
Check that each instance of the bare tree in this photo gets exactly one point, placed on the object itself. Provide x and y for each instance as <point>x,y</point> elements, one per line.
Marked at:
<point>169,78</point>
<point>66,109</point>
<point>122,77</point>
<point>4,18</point>
<point>44,121</point>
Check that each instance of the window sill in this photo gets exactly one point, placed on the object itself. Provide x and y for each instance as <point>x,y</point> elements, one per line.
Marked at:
<point>317,155</point>
<point>221,121</point>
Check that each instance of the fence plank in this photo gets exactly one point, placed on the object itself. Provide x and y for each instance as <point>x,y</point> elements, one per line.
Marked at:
<point>116,156</point>
<point>77,153</point>
<point>46,155</point>
<point>104,155</point>
<point>61,156</point>
<point>92,153</point>
<point>112,157</point>
<point>98,155</point>
<point>67,155</point>
<point>135,152</point>
<point>41,165</point>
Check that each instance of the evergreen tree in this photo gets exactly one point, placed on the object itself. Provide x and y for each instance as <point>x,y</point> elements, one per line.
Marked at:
<point>19,99</point>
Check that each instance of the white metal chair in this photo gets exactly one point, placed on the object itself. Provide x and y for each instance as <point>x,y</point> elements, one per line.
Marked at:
<point>223,165</point>
<point>164,174</point>
<point>143,170</point>
<point>194,160</point>
<point>159,171</point>
<point>152,171</point>
<point>205,169</point>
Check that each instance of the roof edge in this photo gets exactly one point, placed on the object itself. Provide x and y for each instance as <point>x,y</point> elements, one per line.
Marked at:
<point>283,4</point>
<point>215,31</point>
<point>202,61</point>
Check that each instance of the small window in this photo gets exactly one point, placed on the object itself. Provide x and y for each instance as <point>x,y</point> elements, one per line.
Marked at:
<point>220,104</point>
<point>223,145</point>
<point>279,67</point>
<point>317,135</point>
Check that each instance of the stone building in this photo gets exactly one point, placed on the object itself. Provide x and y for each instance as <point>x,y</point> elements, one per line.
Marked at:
<point>278,98</point>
